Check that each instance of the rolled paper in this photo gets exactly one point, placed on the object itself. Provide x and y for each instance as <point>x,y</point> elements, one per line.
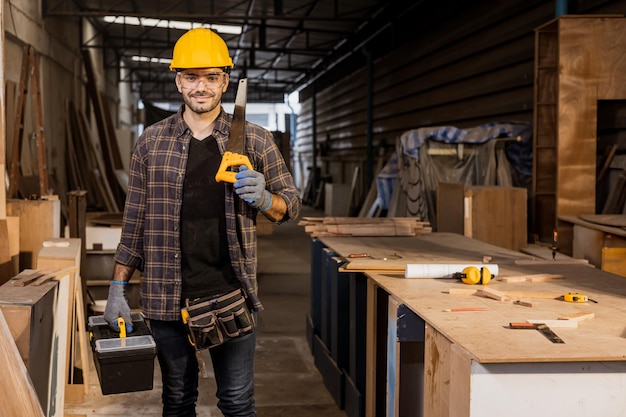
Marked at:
<point>443,270</point>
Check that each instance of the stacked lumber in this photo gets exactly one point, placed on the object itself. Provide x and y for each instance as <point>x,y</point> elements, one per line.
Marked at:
<point>364,226</point>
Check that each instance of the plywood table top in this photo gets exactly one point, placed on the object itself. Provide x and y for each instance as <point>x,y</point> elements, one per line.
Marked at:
<point>485,334</point>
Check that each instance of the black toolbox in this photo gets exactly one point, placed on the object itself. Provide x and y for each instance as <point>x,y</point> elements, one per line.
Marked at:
<point>123,364</point>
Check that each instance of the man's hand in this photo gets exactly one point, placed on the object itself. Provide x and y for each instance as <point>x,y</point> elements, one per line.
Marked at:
<point>117,306</point>
<point>250,186</point>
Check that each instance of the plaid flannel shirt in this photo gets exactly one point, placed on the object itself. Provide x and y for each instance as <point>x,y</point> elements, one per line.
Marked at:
<point>150,238</point>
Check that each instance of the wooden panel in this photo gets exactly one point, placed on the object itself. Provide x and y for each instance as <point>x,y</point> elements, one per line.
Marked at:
<point>588,73</point>
<point>460,386</point>
<point>450,208</point>
<point>587,244</point>
<point>39,220</point>
<point>3,125</point>
<point>614,260</point>
<point>497,215</point>
<point>10,268</point>
<point>18,395</point>
<point>55,254</point>
<point>29,312</point>
<point>437,374</point>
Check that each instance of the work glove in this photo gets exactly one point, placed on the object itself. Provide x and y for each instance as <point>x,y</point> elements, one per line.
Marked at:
<point>117,306</point>
<point>250,186</point>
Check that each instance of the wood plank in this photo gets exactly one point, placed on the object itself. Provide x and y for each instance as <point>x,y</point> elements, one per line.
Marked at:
<point>5,250</point>
<point>12,267</point>
<point>39,220</point>
<point>27,277</point>
<point>108,147</point>
<point>437,374</point>
<point>18,132</point>
<point>64,253</point>
<point>18,397</point>
<point>3,112</point>
<point>83,340</point>
<point>370,351</point>
<point>583,315</point>
<point>551,262</point>
<point>42,158</point>
<point>529,278</point>
<point>614,261</point>
<point>612,220</point>
<point>60,345</point>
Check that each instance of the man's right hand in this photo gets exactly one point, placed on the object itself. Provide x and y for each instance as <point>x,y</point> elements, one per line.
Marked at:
<point>117,306</point>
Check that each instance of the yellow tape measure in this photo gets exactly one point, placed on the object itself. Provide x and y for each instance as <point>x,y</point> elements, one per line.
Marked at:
<point>576,297</point>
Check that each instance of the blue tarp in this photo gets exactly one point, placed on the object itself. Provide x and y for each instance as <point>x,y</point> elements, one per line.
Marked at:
<point>519,154</point>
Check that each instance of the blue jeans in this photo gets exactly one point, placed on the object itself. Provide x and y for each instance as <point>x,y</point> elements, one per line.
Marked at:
<point>233,365</point>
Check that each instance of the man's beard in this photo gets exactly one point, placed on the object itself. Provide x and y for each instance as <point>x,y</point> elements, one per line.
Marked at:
<point>208,105</point>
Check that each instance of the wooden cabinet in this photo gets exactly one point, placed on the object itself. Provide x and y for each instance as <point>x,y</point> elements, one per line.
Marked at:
<point>29,312</point>
<point>578,61</point>
<point>491,214</point>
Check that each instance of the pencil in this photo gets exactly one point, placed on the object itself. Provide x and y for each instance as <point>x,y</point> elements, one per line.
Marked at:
<point>460,309</point>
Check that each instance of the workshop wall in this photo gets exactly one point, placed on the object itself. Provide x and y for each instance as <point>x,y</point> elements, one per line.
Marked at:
<point>472,66</point>
<point>57,42</point>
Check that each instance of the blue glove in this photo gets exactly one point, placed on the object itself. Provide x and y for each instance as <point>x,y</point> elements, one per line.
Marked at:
<point>117,306</point>
<point>250,186</point>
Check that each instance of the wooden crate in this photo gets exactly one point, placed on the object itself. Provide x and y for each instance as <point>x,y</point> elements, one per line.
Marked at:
<point>491,214</point>
<point>29,312</point>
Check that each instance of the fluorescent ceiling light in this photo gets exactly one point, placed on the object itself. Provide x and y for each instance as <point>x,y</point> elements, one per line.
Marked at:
<point>139,58</point>
<point>172,24</point>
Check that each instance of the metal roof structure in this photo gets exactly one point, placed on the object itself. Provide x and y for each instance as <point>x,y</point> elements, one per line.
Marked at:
<point>284,45</point>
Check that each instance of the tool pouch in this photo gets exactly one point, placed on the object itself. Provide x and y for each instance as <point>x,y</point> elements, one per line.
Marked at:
<point>213,321</point>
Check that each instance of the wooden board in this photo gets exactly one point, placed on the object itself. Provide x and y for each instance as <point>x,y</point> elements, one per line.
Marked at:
<point>60,344</point>
<point>13,267</point>
<point>614,220</point>
<point>463,209</point>
<point>64,253</point>
<point>614,261</point>
<point>39,220</point>
<point>18,397</point>
<point>544,252</point>
<point>422,249</point>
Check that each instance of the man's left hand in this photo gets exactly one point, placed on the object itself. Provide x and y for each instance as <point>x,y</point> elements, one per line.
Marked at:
<point>250,186</point>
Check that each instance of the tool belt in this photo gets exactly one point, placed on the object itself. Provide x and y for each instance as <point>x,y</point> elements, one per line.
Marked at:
<point>212,321</point>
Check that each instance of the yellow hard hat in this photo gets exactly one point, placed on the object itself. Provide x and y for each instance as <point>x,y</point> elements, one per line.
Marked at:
<point>200,48</point>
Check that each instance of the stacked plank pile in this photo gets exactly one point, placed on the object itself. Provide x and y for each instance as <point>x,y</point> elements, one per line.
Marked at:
<point>364,226</point>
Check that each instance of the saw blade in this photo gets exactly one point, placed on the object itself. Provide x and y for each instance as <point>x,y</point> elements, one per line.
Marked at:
<point>238,125</point>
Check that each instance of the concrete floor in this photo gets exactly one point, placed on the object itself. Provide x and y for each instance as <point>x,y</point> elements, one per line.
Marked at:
<point>287,383</point>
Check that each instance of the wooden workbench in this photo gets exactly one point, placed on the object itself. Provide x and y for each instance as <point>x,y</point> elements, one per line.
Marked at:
<point>473,365</point>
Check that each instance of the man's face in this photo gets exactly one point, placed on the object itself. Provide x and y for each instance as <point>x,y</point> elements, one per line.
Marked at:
<point>202,88</point>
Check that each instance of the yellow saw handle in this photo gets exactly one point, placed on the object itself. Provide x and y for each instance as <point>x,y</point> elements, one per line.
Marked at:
<point>230,160</point>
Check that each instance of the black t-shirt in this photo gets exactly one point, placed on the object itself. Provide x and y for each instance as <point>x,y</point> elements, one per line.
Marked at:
<point>206,264</point>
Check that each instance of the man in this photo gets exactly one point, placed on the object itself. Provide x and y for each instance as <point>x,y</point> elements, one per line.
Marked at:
<point>194,237</point>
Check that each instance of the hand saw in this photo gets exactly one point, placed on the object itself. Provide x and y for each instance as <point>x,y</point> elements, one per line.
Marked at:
<point>234,155</point>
